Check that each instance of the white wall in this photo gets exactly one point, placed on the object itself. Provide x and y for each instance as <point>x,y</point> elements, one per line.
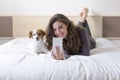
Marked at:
<point>50,7</point>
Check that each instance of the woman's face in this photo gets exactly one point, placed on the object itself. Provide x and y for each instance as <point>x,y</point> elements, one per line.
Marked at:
<point>60,29</point>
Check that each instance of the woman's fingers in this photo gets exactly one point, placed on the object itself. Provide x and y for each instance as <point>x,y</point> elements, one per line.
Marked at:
<point>58,54</point>
<point>53,55</point>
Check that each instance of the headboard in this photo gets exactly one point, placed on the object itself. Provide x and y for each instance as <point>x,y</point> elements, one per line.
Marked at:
<point>5,26</point>
<point>19,26</point>
<point>111,26</point>
<point>23,24</point>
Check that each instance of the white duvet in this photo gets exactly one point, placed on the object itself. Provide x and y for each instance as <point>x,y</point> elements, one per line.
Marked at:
<point>18,63</point>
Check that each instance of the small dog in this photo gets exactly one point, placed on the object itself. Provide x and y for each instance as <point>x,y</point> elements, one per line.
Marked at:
<point>38,45</point>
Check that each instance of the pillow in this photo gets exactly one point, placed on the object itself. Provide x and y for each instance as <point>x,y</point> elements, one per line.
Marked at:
<point>103,43</point>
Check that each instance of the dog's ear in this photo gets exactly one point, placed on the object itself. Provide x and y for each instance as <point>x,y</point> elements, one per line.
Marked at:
<point>42,32</point>
<point>30,34</point>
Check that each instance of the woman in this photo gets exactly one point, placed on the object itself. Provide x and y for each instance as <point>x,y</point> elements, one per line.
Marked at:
<point>77,39</point>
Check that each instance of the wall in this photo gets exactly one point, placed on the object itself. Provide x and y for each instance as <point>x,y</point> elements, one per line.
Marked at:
<point>50,7</point>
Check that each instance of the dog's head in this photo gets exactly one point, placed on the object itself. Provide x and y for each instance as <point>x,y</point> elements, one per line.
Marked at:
<point>37,34</point>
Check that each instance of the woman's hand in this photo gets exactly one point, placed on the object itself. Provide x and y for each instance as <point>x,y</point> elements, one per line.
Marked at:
<point>57,53</point>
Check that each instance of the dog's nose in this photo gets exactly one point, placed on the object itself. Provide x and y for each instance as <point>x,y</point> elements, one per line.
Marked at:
<point>37,38</point>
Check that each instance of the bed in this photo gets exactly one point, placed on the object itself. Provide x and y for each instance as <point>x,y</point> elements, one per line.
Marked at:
<point>18,63</point>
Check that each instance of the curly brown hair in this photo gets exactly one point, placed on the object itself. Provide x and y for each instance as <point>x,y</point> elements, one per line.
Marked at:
<point>72,41</point>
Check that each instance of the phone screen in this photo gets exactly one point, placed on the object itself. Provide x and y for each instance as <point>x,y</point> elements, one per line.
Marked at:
<point>57,42</point>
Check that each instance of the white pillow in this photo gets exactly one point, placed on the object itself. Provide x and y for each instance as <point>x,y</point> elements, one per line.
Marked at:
<point>103,43</point>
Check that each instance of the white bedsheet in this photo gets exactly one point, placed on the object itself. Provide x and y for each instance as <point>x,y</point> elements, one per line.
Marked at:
<point>18,63</point>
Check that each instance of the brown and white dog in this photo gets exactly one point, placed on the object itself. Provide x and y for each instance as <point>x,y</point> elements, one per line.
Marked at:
<point>38,45</point>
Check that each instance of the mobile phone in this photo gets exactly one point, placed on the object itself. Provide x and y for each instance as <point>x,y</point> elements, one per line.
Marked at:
<point>57,42</point>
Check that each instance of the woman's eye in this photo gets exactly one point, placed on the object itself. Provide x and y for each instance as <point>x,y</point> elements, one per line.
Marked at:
<point>60,27</point>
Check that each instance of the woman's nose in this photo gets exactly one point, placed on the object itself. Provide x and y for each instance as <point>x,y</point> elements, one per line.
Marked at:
<point>57,31</point>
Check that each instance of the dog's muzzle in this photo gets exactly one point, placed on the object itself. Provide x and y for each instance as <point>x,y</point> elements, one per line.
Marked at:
<point>37,38</point>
